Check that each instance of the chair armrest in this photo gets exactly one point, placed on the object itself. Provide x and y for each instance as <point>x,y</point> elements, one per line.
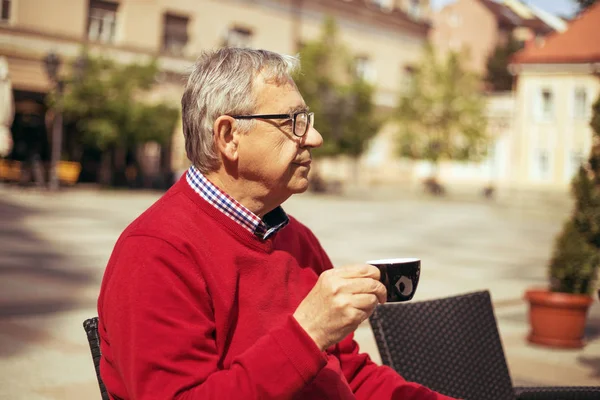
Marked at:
<point>558,392</point>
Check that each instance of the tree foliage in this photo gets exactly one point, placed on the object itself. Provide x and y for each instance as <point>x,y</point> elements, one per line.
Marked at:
<point>498,77</point>
<point>343,104</point>
<point>107,105</point>
<point>441,115</point>
<point>583,4</point>
<point>576,255</point>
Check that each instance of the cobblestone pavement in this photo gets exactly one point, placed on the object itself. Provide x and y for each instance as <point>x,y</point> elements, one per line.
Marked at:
<point>54,248</point>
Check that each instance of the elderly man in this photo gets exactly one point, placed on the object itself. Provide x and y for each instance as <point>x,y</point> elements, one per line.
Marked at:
<point>214,292</point>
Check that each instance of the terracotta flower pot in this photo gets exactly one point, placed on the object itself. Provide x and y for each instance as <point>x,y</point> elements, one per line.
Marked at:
<point>557,319</point>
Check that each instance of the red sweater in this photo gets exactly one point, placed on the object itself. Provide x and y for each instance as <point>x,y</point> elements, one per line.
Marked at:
<point>193,306</point>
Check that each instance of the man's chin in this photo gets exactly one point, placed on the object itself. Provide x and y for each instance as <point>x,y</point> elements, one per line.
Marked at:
<point>299,186</point>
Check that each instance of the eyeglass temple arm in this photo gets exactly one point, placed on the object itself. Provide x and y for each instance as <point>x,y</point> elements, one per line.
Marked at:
<point>265,116</point>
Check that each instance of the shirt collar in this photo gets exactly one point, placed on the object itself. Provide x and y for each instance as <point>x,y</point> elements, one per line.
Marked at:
<point>271,223</point>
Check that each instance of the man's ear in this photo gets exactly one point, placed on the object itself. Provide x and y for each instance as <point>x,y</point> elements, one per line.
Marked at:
<point>226,137</point>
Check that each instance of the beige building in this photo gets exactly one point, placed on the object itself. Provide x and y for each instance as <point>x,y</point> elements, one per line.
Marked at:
<point>540,131</point>
<point>558,81</point>
<point>479,26</point>
<point>385,36</point>
<point>381,165</point>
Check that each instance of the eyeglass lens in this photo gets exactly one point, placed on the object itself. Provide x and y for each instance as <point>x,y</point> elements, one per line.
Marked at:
<point>303,120</point>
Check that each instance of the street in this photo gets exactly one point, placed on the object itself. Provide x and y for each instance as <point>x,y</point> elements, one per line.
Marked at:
<point>54,248</point>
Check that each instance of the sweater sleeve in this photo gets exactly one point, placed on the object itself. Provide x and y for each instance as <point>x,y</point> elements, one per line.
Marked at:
<point>160,336</point>
<point>371,381</point>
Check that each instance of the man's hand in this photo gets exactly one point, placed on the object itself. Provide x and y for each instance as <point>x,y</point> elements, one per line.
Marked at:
<point>341,299</point>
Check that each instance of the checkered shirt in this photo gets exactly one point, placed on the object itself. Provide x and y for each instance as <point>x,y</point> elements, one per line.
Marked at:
<point>272,222</point>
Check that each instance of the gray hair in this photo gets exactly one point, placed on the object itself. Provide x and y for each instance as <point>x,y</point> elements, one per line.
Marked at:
<point>221,83</point>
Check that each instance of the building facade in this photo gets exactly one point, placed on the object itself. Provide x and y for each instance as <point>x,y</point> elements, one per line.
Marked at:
<point>558,82</point>
<point>385,36</point>
<point>381,165</point>
<point>479,26</point>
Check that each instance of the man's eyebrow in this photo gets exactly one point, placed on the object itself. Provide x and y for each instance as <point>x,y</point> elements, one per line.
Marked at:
<point>295,109</point>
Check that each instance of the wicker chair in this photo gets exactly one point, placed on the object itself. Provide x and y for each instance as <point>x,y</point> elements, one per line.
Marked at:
<point>452,345</point>
<point>91,329</point>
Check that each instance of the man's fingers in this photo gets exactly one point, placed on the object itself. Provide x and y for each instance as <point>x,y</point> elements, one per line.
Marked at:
<point>364,302</point>
<point>380,291</point>
<point>358,271</point>
<point>365,286</point>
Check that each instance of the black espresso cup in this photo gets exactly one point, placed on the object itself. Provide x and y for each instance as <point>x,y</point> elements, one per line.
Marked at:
<point>400,277</point>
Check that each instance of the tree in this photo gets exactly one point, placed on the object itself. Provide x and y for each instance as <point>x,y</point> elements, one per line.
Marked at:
<point>342,101</point>
<point>441,116</point>
<point>584,4</point>
<point>574,264</point>
<point>498,76</point>
<point>107,109</point>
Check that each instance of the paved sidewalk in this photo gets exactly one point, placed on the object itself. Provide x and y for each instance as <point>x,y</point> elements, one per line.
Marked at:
<point>53,249</point>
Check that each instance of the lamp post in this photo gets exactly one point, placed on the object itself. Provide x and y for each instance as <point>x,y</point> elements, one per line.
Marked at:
<point>52,64</point>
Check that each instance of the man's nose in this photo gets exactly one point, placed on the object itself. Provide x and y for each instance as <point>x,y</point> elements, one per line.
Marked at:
<point>312,138</point>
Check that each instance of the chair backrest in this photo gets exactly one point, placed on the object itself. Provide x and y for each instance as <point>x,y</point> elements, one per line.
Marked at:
<point>91,329</point>
<point>450,345</point>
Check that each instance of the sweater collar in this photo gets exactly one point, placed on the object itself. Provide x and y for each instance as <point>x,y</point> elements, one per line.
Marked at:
<point>271,223</point>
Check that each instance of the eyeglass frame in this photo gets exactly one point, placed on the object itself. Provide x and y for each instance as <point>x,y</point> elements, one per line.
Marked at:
<point>310,116</point>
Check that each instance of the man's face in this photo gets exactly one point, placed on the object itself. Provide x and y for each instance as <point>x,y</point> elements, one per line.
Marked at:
<point>270,154</point>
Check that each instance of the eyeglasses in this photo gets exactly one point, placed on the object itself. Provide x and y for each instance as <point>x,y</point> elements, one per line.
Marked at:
<point>301,120</point>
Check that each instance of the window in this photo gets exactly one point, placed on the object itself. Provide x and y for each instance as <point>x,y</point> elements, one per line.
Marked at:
<point>102,21</point>
<point>239,37</point>
<point>408,78</point>
<point>545,105</point>
<point>454,19</point>
<point>543,165</point>
<point>581,108</point>
<point>5,16</point>
<point>175,35</point>
<point>384,4</point>
<point>414,9</point>
<point>363,69</point>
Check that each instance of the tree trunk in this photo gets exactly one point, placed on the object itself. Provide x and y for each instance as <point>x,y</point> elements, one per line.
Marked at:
<point>435,170</point>
<point>105,175</point>
<point>120,155</point>
<point>120,163</point>
<point>166,171</point>
<point>355,170</point>
<point>432,185</point>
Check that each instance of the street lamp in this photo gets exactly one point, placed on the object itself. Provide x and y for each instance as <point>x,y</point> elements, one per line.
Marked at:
<point>52,64</point>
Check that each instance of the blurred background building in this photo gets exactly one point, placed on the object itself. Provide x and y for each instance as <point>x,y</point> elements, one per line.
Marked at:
<point>482,25</point>
<point>386,37</point>
<point>537,110</point>
<point>557,83</point>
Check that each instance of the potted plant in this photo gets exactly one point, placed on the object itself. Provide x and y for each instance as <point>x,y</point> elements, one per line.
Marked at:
<point>558,315</point>
<point>68,172</point>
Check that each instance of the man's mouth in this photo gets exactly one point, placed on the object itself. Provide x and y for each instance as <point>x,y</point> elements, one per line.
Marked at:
<point>304,163</point>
